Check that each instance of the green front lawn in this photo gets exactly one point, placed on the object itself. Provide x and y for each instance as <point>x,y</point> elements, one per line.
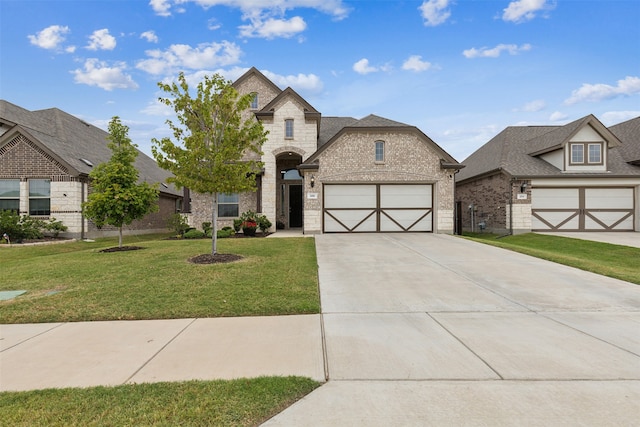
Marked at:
<point>76,282</point>
<point>242,402</point>
<point>620,262</point>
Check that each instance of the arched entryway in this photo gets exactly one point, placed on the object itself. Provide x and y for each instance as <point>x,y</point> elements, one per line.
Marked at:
<point>289,194</point>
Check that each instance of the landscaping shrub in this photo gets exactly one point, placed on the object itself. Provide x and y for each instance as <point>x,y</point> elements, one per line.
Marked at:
<point>237,224</point>
<point>206,228</point>
<point>263,223</point>
<point>225,232</point>
<point>193,234</point>
<point>178,223</point>
<point>26,227</point>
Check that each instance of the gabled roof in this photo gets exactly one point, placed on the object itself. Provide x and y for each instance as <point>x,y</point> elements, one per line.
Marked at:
<point>337,126</point>
<point>253,71</point>
<point>69,140</point>
<point>513,151</point>
<point>557,138</point>
<point>629,133</point>
<point>309,112</point>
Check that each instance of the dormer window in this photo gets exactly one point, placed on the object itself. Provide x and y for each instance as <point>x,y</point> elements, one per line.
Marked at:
<point>586,153</point>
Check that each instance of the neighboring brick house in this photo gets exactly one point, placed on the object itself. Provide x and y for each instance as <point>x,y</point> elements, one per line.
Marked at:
<point>339,174</point>
<point>581,176</point>
<point>45,160</point>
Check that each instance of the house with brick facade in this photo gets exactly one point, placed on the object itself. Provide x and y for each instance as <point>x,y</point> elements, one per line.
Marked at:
<point>581,176</point>
<point>338,174</point>
<point>45,160</point>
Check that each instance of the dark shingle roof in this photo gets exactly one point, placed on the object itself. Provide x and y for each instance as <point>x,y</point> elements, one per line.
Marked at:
<point>510,151</point>
<point>71,140</point>
<point>330,126</point>
<point>629,133</point>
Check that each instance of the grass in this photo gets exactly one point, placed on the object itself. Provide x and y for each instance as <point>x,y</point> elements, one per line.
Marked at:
<point>619,262</point>
<point>242,402</point>
<point>76,282</point>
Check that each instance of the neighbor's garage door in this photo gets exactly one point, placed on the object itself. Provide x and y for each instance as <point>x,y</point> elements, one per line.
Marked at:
<point>582,209</point>
<point>377,208</point>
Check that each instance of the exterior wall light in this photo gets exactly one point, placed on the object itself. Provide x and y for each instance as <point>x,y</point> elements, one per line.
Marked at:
<point>313,181</point>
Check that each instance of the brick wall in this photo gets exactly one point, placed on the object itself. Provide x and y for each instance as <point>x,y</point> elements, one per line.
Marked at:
<point>408,159</point>
<point>494,197</point>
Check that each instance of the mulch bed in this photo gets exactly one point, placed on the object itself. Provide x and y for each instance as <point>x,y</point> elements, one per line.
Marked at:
<point>122,249</point>
<point>214,259</point>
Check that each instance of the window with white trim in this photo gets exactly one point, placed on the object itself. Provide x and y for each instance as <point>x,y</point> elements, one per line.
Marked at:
<point>577,153</point>
<point>254,102</point>
<point>586,153</point>
<point>288,128</point>
<point>379,151</point>
<point>10,195</point>
<point>39,197</point>
<point>228,205</point>
<point>595,154</point>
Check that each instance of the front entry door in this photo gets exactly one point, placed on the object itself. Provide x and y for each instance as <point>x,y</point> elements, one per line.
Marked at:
<point>295,205</point>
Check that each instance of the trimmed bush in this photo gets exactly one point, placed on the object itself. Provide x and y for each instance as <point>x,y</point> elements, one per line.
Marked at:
<point>225,232</point>
<point>193,234</point>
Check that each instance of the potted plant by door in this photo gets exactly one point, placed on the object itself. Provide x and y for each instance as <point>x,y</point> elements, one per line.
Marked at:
<point>249,223</point>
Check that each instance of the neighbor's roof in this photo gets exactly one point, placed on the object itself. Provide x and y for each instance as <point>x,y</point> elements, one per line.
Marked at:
<point>70,140</point>
<point>629,133</point>
<point>511,151</point>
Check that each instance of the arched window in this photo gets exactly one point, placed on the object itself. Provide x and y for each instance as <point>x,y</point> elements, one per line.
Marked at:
<point>254,102</point>
<point>291,174</point>
<point>379,151</point>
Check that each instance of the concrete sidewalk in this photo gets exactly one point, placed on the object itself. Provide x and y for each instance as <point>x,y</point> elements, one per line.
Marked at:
<point>83,354</point>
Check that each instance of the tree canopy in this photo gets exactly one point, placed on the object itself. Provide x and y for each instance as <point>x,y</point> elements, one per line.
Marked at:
<point>212,142</point>
<point>116,198</point>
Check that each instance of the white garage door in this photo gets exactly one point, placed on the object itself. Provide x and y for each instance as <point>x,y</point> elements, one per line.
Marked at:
<point>582,209</point>
<point>377,208</point>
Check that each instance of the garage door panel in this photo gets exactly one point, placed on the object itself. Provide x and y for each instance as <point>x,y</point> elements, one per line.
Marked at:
<point>350,196</point>
<point>377,207</point>
<point>340,221</point>
<point>406,220</point>
<point>606,220</point>
<point>561,220</point>
<point>405,196</point>
<point>609,198</point>
<point>555,198</point>
<point>582,209</point>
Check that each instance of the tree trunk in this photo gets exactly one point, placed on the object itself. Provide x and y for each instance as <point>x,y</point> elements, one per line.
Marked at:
<point>214,225</point>
<point>120,237</point>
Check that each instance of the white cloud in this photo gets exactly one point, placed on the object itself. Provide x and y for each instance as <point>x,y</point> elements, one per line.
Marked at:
<point>494,52</point>
<point>525,10</point>
<point>149,36</point>
<point>614,117</point>
<point>309,83</point>
<point>271,28</point>
<point>533,106</point>
<point>363,67</point>
<point>415,63</point>
<point>181,56</point>
<point>161,7</point>
<point>101,40</point>
<point>98,73</point>
<point>435,12</point>
<point>600,91</point>
<point>212,24</point>
<point>50,37</point>
<point>557,116</point>
<point>70,49</point>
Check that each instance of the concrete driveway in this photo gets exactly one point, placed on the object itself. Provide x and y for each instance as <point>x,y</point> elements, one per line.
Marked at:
<point>424,329</point>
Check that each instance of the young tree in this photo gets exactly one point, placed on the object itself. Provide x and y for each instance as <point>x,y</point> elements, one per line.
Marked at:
<point>117,198</point>
<point>212,139</point>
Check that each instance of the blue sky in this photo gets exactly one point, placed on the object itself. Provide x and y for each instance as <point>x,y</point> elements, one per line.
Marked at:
<point>460,70</point>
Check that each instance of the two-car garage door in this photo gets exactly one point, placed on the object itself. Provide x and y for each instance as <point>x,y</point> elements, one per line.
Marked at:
<point>582,209</point>
<point>377,208</point>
